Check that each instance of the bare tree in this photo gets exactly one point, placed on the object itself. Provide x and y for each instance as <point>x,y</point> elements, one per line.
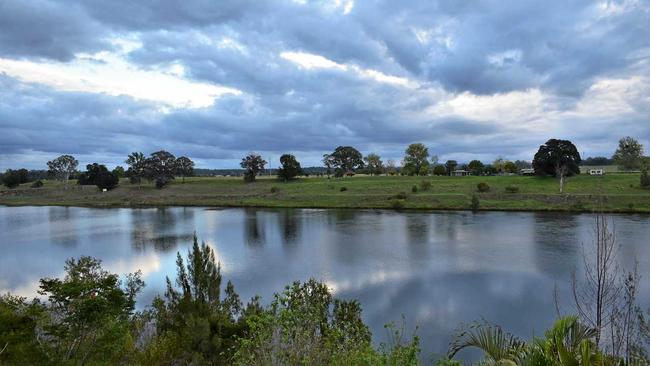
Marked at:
<point>597,295</point>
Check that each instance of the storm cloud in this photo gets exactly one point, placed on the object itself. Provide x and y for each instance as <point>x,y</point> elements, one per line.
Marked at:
<point>216,79</point>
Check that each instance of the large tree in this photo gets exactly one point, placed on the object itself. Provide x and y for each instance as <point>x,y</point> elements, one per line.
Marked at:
<point>629,154</point>
<point>137,167</point>
<point>559,158</point>
<point>184,167</point>
<point>476,167</point>
<point>450,165</point>
<point>254,164</point>
<point>160,167</point>
<point>98,175</point>
<point>62,167</point>
<point>415,158</point>
<point>344,159</point>
<point>374,165</point>
<point>290,167</point>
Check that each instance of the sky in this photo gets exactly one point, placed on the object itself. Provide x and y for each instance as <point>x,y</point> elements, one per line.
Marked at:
<point>215,80</point>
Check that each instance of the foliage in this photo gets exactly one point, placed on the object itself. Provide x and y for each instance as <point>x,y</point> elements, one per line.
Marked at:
<point>119,172</point>
<point>425,185</point>
<point>598,161</point>
<point>306,326</point>
<point>37,184</point>
<point>290,167</point>
<point>137,167</point>
<point>160,167</point>
<point>475,203</point>
<point>12,178</point>
<point>512,189</point>
<point>91,313</point>
<point>19,321</point>
<point>559,158</point>
<point>62,167</point>
<point>629,154</point>
<point>645,178</point>
<point>414,189</point>
<point>416,159</point>
<point>483,187</point>
<point>374,165</point>
<point>439,170</point>
<point>184,167</point>
<point>343,189</point>
<point>476,167</point>
<point>254,164</point>
<point>450,166</point>
<point>510,167</point>
<point>345,159</point>
<point>99,175</point>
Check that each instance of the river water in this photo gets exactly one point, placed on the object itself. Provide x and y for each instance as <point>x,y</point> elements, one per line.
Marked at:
<point>436,269</point>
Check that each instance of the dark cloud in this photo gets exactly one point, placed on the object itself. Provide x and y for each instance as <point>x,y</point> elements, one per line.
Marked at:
<point>444,48</point>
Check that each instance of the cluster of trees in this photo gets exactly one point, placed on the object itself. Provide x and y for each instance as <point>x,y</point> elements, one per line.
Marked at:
<point>98,175</point>
<point>161,167</point>
<point>12,178</point>
<point>89,317</point>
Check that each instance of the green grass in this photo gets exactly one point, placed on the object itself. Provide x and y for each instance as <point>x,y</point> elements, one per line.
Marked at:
<point>612,193</point>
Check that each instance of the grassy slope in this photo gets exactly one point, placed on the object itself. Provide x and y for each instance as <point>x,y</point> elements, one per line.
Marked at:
<point>614,192</point>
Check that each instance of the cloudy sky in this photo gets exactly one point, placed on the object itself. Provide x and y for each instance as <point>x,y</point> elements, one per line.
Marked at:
<point>214,80</point>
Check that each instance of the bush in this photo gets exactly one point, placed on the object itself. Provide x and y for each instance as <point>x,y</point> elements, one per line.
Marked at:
<point>425,185</point>
<point>414,189</point>
<point>400,196</point>
<point>512,189</point>
<point>475,202</point>
<point>483,187</point>
<point>275,189</point>
<point>397,204</point>
<point>37,184</point>
<point>11,181</point>
<point>108,180</point>
<point>645,179</point>
<point>343,189</point>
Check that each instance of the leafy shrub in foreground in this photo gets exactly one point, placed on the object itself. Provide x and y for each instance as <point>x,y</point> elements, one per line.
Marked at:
<point>482,187</point>
<point>512,189</point>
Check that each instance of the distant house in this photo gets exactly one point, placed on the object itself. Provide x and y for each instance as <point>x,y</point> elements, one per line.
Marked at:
<point>527,171</point>
<point>459,173</point>
<point>596,172</point>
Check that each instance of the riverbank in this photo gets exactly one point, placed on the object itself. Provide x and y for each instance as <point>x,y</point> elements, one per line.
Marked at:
<point>610,193</point>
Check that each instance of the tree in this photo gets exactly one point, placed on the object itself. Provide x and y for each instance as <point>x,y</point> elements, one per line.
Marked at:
<point>91,310</point>
<point>390,167</point>
<point>290,167</point>
<point>450,165</point>
<point>522,164</point>
<point>598,161</point>
<point>344,159</point>
<point>160,167</point>
<point>184,167</point>
<point>475,167</point>
<point>195,324</point>
<point>253,164</point>
<point>374,165</point>
<point>137,167</point>
<point>559,158</point>
<point>119,172</point>
<point>439,170</point>
<point>629,154</point>
<point>415,158</point>
<point>433,160</point>
<point>62,167</point>
<point>98,175</point>
<point>12,178</point>
<point>510,167</point>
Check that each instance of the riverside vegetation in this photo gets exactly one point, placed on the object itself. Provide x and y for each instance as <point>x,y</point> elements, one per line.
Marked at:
<point>88,317</point>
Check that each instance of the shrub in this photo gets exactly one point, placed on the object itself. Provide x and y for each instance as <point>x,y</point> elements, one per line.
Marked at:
<point>37,184</point>
<point>425,185</point>
<point>512,189</point>
<point>400,196</point>
<point>414,189</point>
<point>475,202</point>
<point>11,181</point>
<point>645,179</point>
<point>397,204</point>
<point>343,189</point>
<point>275,189</point>
<point>482,187</point>
<point>108,180</point>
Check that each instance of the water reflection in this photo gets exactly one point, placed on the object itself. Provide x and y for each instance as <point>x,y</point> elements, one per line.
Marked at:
<point>438,269</point>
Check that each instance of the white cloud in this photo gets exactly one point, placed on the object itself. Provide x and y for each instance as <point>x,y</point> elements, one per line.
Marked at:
<point>109,73</point>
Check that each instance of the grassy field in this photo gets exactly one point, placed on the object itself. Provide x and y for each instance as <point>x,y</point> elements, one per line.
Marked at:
<point>612,193</point>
